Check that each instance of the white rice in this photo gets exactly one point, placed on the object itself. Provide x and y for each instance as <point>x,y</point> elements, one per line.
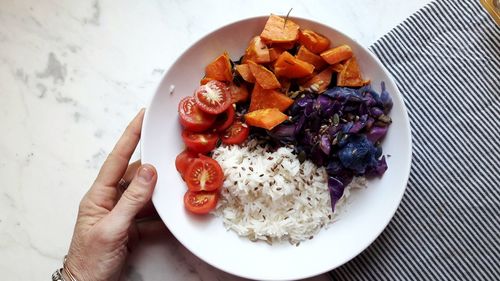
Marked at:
<point>271,196</point>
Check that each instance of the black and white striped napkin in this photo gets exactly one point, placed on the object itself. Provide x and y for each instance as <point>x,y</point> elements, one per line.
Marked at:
<point>446,61</point>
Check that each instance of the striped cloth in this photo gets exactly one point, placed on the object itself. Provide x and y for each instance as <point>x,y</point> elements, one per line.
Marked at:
<point>446,61</point>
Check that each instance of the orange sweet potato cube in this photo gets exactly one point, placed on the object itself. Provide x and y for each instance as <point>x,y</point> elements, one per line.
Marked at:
<point>280,30</point>
<point>263,76</point>
<point>304,54</point>
<point>337,54</point>
<point>262,98</point>
<point>313,41</point>
<point>220,68</point>
<point>288,66</point>
<point>266,118</point>
<point>319,82</point>
<point>244,71</point>
<point>350,76</point>
<point>256,51</point>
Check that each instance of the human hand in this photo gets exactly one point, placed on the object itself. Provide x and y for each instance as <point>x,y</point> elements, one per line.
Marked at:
<point>105,225</point>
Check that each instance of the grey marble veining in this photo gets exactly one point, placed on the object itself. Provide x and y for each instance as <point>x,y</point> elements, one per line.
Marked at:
<point>72,74</point>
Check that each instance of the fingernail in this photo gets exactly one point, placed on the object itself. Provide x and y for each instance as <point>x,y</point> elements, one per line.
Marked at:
<point>146,174</point>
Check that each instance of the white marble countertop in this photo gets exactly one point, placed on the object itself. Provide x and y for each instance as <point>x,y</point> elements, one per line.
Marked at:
<point>73,73</point>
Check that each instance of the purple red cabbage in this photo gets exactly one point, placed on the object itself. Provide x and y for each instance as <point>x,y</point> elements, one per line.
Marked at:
<point>357,154</point>
<point>378,169</point>
<point>340,129</point>
<point>376,133</point>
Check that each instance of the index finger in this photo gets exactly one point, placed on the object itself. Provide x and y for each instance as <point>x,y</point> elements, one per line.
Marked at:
<point>116,164</point>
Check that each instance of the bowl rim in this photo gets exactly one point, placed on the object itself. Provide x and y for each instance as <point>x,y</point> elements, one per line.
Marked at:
<point>405,117</point>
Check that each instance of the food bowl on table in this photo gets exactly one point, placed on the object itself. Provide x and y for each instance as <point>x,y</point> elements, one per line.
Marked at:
<point>365,217</point>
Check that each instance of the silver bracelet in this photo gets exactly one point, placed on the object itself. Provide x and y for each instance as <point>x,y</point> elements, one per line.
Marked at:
<point>57,275</point>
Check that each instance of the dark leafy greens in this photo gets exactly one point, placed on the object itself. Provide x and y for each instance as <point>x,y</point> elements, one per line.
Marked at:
<point>340,129</point>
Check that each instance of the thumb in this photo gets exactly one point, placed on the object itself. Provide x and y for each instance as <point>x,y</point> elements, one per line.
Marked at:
<point>137,195</point>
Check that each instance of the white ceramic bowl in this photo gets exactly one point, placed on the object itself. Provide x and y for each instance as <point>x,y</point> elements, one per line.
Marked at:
<point>365,218</point>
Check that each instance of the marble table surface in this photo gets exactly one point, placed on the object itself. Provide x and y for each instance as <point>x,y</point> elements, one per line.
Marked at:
<point>72,75</point>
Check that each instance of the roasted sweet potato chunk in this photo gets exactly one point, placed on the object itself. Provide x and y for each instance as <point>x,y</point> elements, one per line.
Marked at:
<point>350,76</point>
<point>290,67</point>
<point>320,81</point>
<point>244,71</point>
<point>238,93</point>
<point>256,51</point>
<point>310,57</point>
<point>263,76</point>
<point>262,98</point>
<point>220,68</point>
<point>267,118</point>
<point>313,41</point>
<point>279,30</point>
<point>337,54</point>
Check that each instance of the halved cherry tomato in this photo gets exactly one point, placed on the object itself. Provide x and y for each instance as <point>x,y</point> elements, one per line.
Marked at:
<point>199,142</point>
<point>213,97</point>
<point>201,202</point>
<point>236,133</point>
<point>183,160</point>
<point>224,120</point>
<point>192,118</point>
<point>204,174</point>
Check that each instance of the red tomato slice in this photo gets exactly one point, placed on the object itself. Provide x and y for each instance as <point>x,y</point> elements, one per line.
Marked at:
<point>183,160</point>
<point>213,97</point>
<point>192,118</point>
<point>236,134</point>
<point>201,202</point>
<point>204,174</point>
<point>224,120</point>
<point>199,142</point>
